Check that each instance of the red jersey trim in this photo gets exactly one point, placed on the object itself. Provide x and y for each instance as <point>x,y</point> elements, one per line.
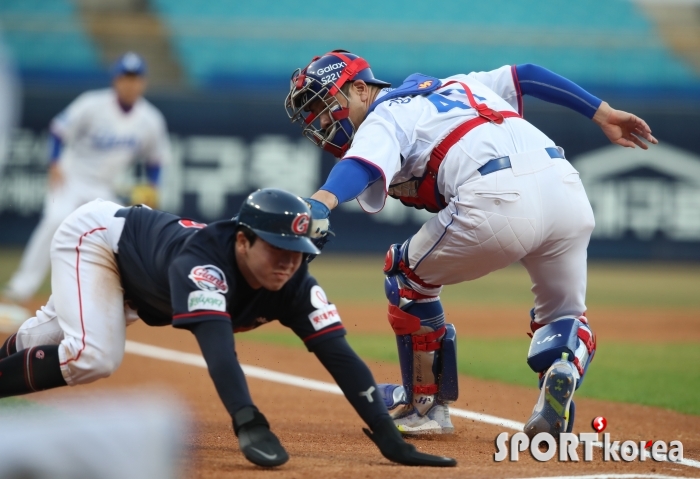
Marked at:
<point>315,335</point>
<point>203,313</point>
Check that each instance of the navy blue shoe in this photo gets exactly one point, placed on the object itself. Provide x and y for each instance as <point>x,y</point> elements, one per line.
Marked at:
<point>554,410</point>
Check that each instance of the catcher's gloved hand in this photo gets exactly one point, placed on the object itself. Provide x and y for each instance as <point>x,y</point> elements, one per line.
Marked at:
<point>144,194</point>
<point>258,444</point>
<point>320,224</point>
<point>392,446</point>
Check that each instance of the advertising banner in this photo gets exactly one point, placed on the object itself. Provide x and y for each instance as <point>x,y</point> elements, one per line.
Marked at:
<point>646,203</point>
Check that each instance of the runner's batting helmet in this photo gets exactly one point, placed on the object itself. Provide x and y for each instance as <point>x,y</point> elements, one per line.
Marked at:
<point>321,80</point>
<point>280,218</point>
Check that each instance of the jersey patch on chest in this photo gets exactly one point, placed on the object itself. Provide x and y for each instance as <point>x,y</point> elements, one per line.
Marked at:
<point>209,278</point>
<point>206,300</point>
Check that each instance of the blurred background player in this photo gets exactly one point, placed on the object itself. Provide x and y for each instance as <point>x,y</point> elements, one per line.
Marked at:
<point>10,96</point>
<point>94,141</point>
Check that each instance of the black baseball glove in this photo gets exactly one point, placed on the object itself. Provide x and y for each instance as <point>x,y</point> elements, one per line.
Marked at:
<point>392,446</point>
<point>258,444</point>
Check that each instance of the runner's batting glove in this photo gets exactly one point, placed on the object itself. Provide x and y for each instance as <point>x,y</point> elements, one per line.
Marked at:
<point>392,446</point>
<point>320,224</point>
<point>258,444</point>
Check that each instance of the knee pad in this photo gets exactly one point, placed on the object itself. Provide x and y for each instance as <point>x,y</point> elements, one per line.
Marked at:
<point>570,336</point>
<point>401,281</point>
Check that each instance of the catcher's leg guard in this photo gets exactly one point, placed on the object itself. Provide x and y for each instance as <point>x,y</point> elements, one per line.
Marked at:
<point>560,352</point>
<point>427,347</point>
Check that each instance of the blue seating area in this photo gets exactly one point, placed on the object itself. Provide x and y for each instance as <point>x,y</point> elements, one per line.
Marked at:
<point>225,44</point>
<point>221,42</point>
<point>46,37</point>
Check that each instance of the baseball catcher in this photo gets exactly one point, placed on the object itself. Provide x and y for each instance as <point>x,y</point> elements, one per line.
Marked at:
<point>502,192</point>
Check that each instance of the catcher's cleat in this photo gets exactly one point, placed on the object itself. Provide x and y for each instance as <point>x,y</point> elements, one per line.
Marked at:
<point>436,421</point>
<point>408,420</point>
<point>553,412</point>
<point>440,413</point>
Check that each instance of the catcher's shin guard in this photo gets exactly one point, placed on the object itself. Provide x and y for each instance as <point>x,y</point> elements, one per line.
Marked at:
<point>560,352</point>
<point>427,352</point>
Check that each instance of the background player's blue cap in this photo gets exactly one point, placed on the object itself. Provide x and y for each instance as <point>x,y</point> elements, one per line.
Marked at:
<point>129,64</point>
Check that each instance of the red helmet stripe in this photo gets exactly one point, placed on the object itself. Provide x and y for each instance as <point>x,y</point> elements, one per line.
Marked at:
<point>352,68</point>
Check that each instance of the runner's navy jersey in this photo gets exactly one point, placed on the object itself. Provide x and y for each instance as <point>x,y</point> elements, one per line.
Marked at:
<point>182,272</point>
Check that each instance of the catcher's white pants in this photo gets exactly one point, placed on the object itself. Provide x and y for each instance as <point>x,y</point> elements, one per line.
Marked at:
<point>59,203</point>
<point>86,313</point>
<point>536,212</point>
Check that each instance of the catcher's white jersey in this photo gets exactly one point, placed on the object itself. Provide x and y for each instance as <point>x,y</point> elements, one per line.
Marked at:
<point>398,136</point>
<point>101,139</point>
<point>535,211</point>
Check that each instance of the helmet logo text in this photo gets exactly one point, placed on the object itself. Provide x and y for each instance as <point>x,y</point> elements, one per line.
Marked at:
<point>329,68</point>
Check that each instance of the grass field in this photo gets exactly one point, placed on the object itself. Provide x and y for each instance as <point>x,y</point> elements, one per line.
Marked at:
<point>663,374</point>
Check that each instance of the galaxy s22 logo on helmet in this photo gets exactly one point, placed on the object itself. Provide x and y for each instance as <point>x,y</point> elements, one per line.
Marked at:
<point>317,87</point>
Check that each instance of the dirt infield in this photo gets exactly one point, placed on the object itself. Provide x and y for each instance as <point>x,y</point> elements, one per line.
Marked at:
<point>323,434</point>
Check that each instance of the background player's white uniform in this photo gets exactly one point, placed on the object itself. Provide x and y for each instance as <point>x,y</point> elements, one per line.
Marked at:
<point>101,141</point>
<point>535,212</point>
<point>10,96</point>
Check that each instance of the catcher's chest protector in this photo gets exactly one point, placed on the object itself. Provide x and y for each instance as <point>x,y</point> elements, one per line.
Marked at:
<point>423,193</point>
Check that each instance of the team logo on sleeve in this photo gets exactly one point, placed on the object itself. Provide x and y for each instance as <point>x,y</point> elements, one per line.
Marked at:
<point>325,313</point>
<point>300,225</point>
<point>191,224</point>
<point>209,278</point>
<point>206,300</point>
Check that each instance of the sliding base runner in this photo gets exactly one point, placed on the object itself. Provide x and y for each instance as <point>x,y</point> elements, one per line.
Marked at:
<point>113,265</point>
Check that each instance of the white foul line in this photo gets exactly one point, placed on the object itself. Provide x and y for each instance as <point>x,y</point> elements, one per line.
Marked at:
<point>609,476</point>
<point>197,360</point>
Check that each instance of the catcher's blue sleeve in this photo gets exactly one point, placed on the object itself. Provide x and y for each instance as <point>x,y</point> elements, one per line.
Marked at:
<point>546,85</point>
<point>349,178</point>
